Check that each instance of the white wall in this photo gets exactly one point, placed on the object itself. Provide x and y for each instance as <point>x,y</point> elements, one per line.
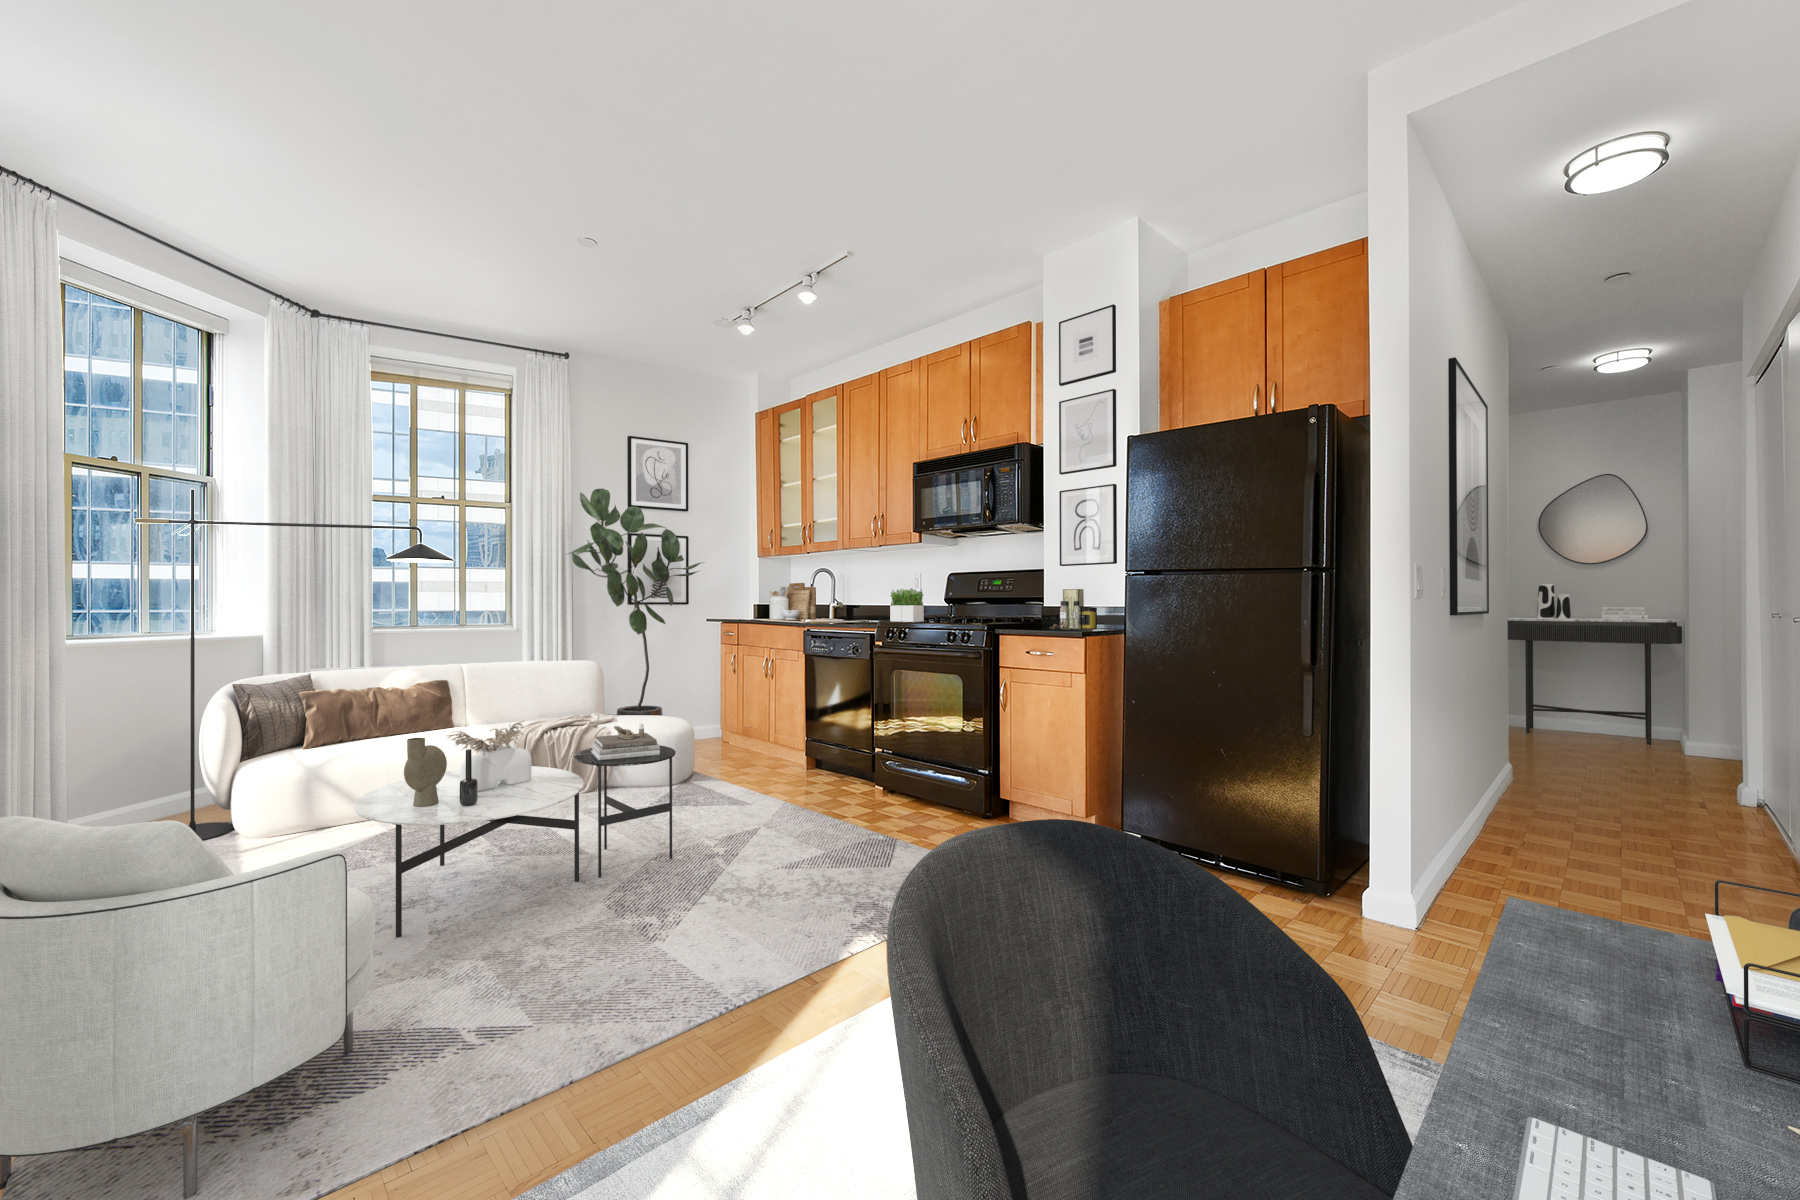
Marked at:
<point>977,322</point>
<point>1715,566</point>
<point>611,399</point>
<point>1772,297</point>
<point>1334,224</point>
<point>1643,441</point>
<point>868,576</point>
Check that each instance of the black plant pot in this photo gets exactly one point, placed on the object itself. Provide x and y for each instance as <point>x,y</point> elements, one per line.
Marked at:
<point>640,710</point>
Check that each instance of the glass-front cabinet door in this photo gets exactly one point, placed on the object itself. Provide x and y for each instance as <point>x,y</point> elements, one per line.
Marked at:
<point>822,523</point>
<point>790,468</point>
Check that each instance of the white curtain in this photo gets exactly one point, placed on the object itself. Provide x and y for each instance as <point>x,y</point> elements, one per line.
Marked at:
<point>542,502</point>
<point>319,471</point>
<point>34,599</point>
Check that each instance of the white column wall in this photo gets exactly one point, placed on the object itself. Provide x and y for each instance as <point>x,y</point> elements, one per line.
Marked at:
<point>1715,562</point>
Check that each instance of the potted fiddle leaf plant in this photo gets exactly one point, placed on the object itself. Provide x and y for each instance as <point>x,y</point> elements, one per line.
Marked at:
<point>638,560</point>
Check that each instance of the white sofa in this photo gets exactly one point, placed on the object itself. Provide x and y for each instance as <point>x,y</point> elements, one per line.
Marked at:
<point>293,790</point>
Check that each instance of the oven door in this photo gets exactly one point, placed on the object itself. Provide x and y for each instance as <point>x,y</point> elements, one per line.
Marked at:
<point>952,500</point>
<point>932,705</point>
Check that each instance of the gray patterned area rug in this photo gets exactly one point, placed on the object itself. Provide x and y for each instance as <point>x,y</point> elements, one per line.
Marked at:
<point>513,980</point>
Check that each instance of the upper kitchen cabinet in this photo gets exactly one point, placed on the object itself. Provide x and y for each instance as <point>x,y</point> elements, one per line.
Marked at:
<point>801,440</point>
<point>768,495</point>
<point>822,474</point>
<point>1318,335</point>
<point>790,477</point>
<point>861,491</point>
<point>1212,352</point>
<point>1000,391</point>
<point>1285,337</point>
<point>944,402</point>
<point>902,445</point>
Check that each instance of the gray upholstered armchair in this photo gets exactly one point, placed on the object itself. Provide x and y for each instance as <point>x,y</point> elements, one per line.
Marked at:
<point>1082,1014</point>
<point>123,1013</point>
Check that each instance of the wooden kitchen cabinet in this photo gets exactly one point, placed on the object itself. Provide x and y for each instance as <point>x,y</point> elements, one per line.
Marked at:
<point>902,445</point>
<point>1000,391</point>
<point>805,468</point>
<point>862,491</point>
<point>944,401</point>
<point>1285,337</point>
<point>768,501</point>
<point>1061,726</point>
<point>762,689</point>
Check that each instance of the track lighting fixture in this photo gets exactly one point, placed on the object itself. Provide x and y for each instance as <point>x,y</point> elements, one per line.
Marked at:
<point>806,288</point>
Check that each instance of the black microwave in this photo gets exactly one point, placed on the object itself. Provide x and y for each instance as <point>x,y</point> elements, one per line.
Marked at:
<point>983,492</point>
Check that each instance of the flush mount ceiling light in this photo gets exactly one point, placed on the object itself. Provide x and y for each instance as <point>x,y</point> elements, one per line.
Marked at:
<point>1616,164</point>
<point>806,287</point>
<point>1615,361</point>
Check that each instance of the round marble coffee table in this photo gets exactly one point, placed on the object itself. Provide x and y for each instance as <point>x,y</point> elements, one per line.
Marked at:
<point>505,805</point>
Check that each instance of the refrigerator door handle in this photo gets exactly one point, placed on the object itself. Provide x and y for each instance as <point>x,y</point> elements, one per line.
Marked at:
<point>1308,598</point>
<point>1309,554</point>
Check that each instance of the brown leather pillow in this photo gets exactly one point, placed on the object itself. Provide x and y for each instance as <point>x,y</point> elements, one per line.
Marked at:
<point>352,714</point>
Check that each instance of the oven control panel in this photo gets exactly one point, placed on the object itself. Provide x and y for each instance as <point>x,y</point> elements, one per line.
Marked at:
<point>935,635</point>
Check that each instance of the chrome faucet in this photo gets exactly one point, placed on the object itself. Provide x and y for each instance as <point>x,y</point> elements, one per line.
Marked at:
<point>814,582</point>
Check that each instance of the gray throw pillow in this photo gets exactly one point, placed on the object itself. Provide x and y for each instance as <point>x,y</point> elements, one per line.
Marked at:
<point>50,860</point>
<point>272,715</point>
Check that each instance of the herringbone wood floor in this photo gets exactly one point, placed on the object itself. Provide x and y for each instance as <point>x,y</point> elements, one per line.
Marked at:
<point>1605,825</point>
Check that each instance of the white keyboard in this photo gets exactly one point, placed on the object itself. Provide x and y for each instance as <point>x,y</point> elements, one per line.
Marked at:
<point>1560,1164</point>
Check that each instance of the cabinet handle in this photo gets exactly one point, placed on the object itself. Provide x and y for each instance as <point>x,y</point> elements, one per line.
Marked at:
<point>965,433</point>
<point>734,662</point>
<point>1271,395</point>
<point>1043,653</point>
<point>973,436</point>
<point>1256,400</point>
<point>1003,695</point>
<point>871,526</point>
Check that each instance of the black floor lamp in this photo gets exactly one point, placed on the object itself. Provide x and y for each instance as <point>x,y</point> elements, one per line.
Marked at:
<point>418,552</point>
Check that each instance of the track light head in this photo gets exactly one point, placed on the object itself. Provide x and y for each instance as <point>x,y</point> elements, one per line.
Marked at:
<point>806,293</point>
<point>744,324</point>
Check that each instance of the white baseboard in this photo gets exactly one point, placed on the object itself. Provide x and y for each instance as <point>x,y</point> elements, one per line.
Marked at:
<point>707,731</point>
<point>145,810</point>
<point>1407,910</point>
<point>1612,726</point>
<point>1711,750</point>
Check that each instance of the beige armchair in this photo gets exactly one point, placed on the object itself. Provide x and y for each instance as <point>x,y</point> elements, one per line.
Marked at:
<point>123,1014</point>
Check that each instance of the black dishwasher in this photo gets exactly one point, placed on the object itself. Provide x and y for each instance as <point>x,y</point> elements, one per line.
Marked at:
<point>839,688</point>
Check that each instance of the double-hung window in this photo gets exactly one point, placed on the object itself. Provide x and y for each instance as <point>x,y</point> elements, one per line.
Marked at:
<point>136,443</point>
<point>441,452</point>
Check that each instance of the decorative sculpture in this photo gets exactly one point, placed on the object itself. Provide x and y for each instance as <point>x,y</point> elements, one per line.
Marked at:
<point>425,765</point>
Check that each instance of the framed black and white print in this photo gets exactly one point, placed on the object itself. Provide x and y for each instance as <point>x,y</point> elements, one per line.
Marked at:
<point>1087,532</point>
<point>658,473</point>
<point>1086,423</point>
<point>1471,562</point>
<point>675,591</point>
<point>1087,346</point>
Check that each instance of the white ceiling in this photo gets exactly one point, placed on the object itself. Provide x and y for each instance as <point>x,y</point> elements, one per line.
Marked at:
<point>434,162</point>
<point>1719,77</point>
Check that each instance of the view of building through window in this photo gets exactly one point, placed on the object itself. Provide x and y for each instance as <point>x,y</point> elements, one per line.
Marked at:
<point>440,462</point>
<point>136,443</point>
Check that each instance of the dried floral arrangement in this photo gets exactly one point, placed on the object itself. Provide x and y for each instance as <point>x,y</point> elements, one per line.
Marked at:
<point>501,739</point>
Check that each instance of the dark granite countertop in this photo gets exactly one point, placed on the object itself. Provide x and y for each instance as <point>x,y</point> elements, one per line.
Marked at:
<point>1103,631</point>
<point>870,623</point>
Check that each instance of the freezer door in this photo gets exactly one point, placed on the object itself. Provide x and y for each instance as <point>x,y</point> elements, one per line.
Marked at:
<point>1231,496</point>
<point>1226,716</point>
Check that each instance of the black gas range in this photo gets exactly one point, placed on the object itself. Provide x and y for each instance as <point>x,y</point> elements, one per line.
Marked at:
<point>934,696</point>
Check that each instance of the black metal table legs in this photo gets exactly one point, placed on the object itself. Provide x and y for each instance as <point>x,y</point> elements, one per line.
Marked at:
<point>1532,707</point>
<point>1530,690</point>
<point>627,813</point>
<point>403,864</point>
<point>1646,693</point>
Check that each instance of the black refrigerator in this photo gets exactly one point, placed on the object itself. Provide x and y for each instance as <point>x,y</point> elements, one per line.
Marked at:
<point>1247,644</point>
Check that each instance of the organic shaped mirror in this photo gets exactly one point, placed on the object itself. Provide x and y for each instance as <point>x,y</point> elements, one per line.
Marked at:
<point>1595,521</point>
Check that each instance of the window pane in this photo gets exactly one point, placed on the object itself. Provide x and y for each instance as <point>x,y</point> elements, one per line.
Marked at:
<point>391,405</point>
<point>392,582</point>
<point>97,353</point>
<point>166,552</point>
<point>437,585</point>
<point>170,395</point>
<point>485,576</point>
<point>103,507</point>
<point>437,441</point>
<point>484,445</point>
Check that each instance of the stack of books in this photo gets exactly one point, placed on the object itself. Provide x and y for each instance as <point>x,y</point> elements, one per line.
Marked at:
<point>1623,613</point>
<point>1771,984</point>
<point>622,743</point>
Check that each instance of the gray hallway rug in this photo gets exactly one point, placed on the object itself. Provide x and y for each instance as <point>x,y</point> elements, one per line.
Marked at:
<point>826,1119</point>
<point>513,980</point>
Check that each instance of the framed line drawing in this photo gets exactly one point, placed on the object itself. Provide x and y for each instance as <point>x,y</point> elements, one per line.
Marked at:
<point>1470,560</point>
<point>657,472</point>
<point>1087,345</point>
<point>1086,532</point>
<point>676,590</point>
<point>1086,424</point>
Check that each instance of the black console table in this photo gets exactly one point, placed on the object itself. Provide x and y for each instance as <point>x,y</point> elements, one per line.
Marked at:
<point>1531,630</point>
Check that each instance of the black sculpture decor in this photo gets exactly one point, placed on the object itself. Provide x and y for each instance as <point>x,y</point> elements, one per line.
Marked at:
<point>465,791</point>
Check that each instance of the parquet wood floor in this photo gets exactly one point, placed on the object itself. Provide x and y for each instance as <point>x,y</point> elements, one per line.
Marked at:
<point>1604,825</point>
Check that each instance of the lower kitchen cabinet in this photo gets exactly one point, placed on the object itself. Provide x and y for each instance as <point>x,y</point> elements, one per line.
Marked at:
<point>1061,726</point>
<point>762,689</point>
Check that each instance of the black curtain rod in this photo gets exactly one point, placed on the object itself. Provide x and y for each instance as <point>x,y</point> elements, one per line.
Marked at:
<point>264,288</point>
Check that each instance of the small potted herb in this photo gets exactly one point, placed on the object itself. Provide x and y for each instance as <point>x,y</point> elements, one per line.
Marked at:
<point>907,604</point>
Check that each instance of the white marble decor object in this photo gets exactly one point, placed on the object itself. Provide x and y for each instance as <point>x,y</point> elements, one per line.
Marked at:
<point>496,768</point>
<point>392,803</point>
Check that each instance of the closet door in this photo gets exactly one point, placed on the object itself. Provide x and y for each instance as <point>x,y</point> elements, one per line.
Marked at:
<point>1789,360</point>
<point>1774,497</point>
